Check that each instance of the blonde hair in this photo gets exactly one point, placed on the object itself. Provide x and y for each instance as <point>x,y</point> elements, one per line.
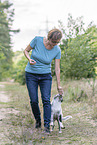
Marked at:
<point>54,34</point>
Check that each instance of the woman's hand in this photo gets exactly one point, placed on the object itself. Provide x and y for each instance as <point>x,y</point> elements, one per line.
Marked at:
<point>60,90</point>
<point>32,62</point>
<point>26,52</point>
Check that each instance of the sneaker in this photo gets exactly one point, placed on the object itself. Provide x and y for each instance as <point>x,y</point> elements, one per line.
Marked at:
<point>38,125</point>
<point>47,130</point>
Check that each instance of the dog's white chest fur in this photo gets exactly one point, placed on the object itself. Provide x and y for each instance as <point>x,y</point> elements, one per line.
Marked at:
<point>56,106</point>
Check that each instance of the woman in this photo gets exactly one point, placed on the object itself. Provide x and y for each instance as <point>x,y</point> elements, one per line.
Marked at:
<point>38,72</point>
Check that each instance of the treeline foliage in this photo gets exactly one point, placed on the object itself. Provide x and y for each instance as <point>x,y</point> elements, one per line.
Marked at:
<point>6,53</point>
<point>79,51</point>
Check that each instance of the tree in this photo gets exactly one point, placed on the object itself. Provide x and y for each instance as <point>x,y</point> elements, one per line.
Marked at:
<point>6,53</point>
<point>79,49</point>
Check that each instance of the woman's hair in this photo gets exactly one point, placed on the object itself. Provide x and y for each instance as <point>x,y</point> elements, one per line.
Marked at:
<point>54,34</point>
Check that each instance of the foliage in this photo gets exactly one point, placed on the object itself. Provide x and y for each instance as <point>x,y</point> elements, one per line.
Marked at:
<point>6,19</point>
<point>20,63</point>
<point>21,71</point>
<point>79,49</point>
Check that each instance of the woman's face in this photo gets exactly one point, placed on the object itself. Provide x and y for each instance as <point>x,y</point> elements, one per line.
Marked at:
<point>52,43</point>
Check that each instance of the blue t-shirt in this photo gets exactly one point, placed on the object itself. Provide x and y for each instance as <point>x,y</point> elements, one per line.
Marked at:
<point>42,56</point>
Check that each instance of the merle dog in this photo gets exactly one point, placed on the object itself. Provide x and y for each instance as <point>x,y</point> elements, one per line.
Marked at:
<point>56,112</point>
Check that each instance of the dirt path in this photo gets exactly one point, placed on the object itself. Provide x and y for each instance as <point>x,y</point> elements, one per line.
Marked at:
<point>4,113</point>
<point>3,98</point>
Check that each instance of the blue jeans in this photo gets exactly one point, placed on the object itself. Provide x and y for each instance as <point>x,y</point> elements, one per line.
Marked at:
<point>45,82</point>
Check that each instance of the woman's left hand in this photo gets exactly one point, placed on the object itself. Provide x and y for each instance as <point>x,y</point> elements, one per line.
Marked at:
<point>60,90</point>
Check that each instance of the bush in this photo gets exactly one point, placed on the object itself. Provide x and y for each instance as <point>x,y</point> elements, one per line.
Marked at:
<point>79,49</point>
<point>19,70</point>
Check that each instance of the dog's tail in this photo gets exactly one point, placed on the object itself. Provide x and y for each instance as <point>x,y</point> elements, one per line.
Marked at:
<point>66,117</point>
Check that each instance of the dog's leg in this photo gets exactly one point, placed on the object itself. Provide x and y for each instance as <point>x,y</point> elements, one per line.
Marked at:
<point>61,116</point>
<point>51,119</point>
<point>59,124</point>
<point>52,122</point>
<point>52,126</point>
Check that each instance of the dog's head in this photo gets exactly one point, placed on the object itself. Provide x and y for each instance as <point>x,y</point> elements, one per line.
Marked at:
<point>59,97</point>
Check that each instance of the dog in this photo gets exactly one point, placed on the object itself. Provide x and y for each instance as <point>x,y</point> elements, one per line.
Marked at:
<point>56,112</point>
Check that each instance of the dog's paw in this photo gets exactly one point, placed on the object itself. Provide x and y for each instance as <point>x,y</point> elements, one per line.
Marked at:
<point>60,131</point>
<point>63,127</point>
<point>51,130</point>
<point>51,124</point>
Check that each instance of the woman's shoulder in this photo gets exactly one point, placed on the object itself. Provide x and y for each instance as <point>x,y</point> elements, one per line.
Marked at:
<point>39,37</point>
<point>57,47</point>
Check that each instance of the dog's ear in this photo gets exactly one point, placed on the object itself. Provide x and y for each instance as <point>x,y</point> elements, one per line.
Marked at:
<point>56,96</point>
<point>61,98</point>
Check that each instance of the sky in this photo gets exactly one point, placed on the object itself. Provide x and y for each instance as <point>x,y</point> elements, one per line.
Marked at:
<point>36,17</point>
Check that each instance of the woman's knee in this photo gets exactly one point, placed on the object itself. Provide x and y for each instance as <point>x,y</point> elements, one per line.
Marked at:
<point>46,102</point>
<point>33,102</point>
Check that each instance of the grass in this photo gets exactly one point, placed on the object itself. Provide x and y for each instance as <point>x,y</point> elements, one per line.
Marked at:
<point>17,128</point>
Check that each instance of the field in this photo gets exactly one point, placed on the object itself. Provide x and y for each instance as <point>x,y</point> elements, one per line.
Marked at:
<point>17,124</point>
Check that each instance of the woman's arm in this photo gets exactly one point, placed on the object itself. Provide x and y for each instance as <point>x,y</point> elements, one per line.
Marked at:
<point>26,52</point>
<point>57,71</point>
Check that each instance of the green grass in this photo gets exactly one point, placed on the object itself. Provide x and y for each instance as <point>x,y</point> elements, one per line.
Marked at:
<point>18,128</point>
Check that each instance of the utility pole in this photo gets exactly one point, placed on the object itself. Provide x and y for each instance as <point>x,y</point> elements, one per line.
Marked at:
<point>47,22</point>
<point>46,26</point>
